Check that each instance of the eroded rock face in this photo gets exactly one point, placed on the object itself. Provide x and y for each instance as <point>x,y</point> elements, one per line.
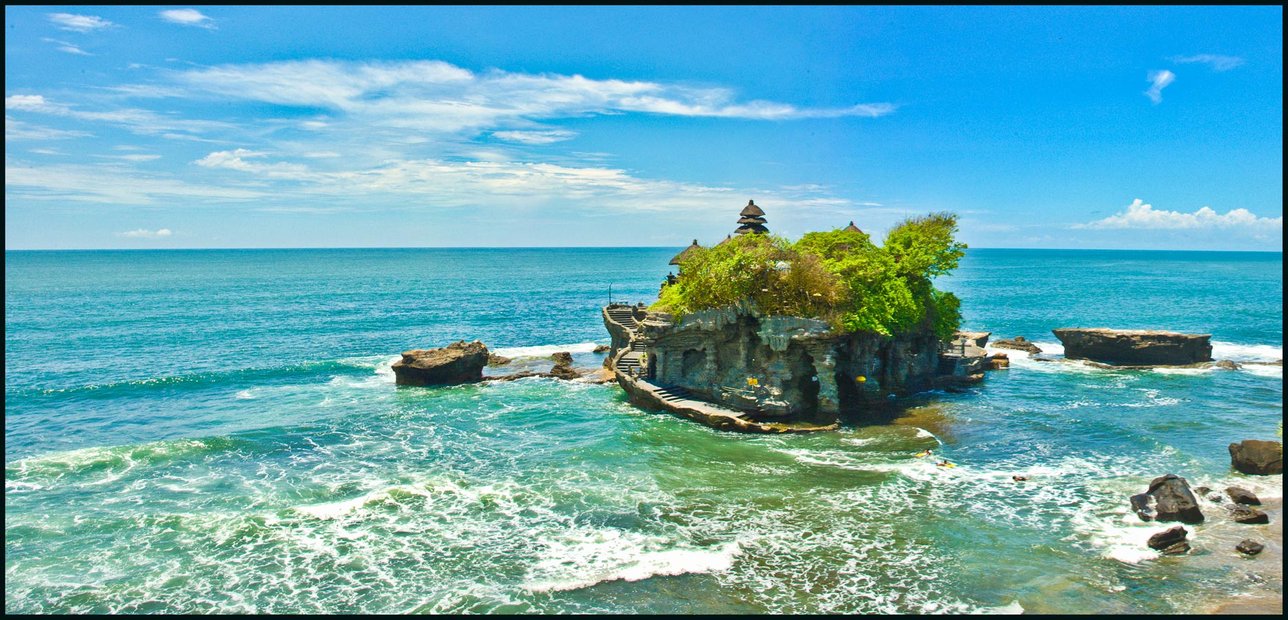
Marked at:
<point>1018,343</point>
<point>459,362</point>
<point>785,366</point>
<point>1168,499</point>
<point>1253,456</point>
<point>1170,542</point>
<point>1135,347</point>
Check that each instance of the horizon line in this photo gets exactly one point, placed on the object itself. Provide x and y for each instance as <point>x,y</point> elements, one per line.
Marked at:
<point>563,247</point>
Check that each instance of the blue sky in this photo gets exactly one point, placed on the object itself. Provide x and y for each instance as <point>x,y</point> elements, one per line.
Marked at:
<point>193,126</point>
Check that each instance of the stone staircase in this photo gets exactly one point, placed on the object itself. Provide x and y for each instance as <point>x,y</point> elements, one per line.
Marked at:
<point>624,316</point>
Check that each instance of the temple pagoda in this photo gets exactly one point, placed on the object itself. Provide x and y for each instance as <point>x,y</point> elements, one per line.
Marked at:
<point>852,228</point>
<point>685,253</point>
<point>752,220</point>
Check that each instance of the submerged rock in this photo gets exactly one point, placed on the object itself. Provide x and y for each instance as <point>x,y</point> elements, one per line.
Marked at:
<point>1018,343</point>
<point>1168,499</point>
<point>1241,495</point>
<point>459,362</point>
<point>1226,365</point>
<point>1248,546</point>
<point>1253,456</point>
<point>1170,542</point>
<point>497,360</point>
<point>1135,347</point>
<point>1249,516</point>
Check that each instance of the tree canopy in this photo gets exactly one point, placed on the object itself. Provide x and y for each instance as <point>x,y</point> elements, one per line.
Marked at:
<point>839,276</point>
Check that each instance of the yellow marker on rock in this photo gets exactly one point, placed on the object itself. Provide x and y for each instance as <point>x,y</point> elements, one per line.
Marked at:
<point>752,381</point>
<point>861,379</point>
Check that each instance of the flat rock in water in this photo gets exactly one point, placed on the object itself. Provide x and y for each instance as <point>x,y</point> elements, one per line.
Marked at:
<point>1018,343</point>
<point>1135,346</point>
<point>497,360</point>
<point>1171,541</point>
<point>459,362</point>
<point>1254,456</point>
<point>1249,516</point>
<point>1249,547</point>
<point>1241,495</point>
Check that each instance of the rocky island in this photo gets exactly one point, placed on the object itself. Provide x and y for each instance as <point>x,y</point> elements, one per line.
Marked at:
<point>758,334</point>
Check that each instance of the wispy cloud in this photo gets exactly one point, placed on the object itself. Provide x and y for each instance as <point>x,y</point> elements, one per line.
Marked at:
<point>143,233</point>
<point>79,23</point>
<point>15,129</point>
<point>432,95</point>
<point>138,120</point>
<point>1139,215</point>
<point>109,184</point>
<point>535,137</point>
<point>237,160</point>
<point>64,46</point>
<point>1216,61</point>
<point>187,17</point>
<point>1158,80</point>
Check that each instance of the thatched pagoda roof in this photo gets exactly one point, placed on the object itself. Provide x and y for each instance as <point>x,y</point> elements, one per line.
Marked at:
<point>751,220</point>
<point>852,228</point>
<point>685,253</point>
<point>752,210</point>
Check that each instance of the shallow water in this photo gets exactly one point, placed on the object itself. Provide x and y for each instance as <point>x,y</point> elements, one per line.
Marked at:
<point>218,431</point>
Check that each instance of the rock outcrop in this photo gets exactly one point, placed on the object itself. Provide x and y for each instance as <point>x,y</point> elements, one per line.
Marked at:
<point>1135,347</point>
<point>1170,542</point>
<point>1241,495</point>
<point>1248,546</point>
<point>1018,343</point>
<point>563,367</point>
<point>1253,456</point>
<point>459,362</point>
<point>1168,499</point>
<point>497,360</point>
<point>1249,516</point>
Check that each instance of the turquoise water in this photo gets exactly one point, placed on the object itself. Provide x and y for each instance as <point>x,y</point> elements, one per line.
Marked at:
<point>218,431</point>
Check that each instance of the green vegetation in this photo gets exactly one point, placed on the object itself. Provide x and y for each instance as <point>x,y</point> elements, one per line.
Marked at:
<point>838,276</point>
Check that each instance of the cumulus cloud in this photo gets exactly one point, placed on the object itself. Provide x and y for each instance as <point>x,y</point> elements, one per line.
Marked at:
<point>1158,80</point>
<point>1139,215</point>
<point>144,233</point>
<point>1216,61</point>
<point>237,160</point>
<point>187,17</point>
<point>79,23</point>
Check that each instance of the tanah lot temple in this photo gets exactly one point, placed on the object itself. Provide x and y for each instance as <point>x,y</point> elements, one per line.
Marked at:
<point>734,368</point>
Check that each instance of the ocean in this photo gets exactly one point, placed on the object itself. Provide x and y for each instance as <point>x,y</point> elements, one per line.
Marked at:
<point>219,431</point>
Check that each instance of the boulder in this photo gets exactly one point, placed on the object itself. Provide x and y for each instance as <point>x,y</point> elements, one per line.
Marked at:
<point>1249,516</point>
<point>1202,490</point>
<point>459,362</point>
<point>1253,456</point>
<point>1241,495</point>
<point>999,361</point>
<point>1135,347</point>
<point>1018,343</point>
<point>563,366</point>
<point>1249,547</point>
<point>497,360</point>
<point>601,348</point>
<point>1170,542</point>
<point>1168,499</point>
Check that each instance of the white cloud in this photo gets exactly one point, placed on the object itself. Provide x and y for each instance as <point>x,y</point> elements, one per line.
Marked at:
<point>430,95</point>
<point>1158,81</point>
<point>144,233</point>
<point>64,46</point>
<point>15,129</point>
<point>137,120</point>
<point>108,183</point>
<point>236,160</point>
<point>187,17</point>
<point>78,23</point>
<point>1141,216</point>
<point>535,137</point>
<point>1216,61</point>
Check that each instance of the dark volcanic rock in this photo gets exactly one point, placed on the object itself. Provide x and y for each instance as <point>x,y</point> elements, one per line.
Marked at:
<point>1249,547</point>
<point>459,362</point>
<point>1250,516</point>
<point>563,366</point>
<point>1168,499</point>
<point>1136,347</point>
<point>497,360</point>
<point>1253,456</point>
<point>1018,343</point>
<point>1170,542</point>
<point>1242,496</point>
